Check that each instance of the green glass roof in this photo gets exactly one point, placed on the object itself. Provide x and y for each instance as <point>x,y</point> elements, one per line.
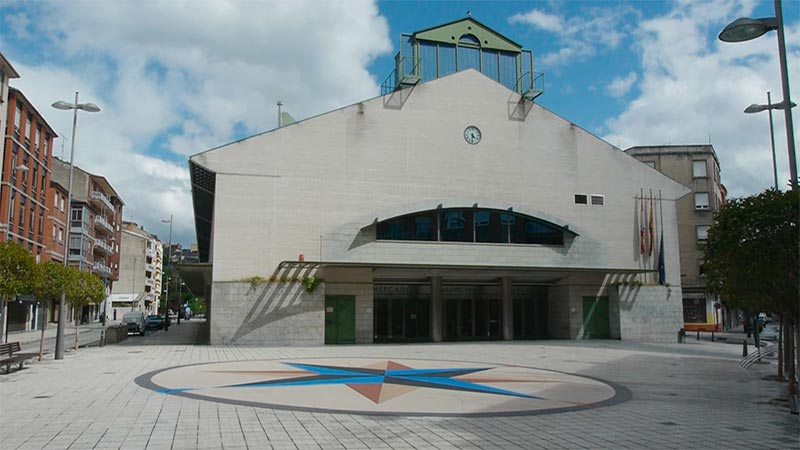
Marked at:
<point>451,33</point>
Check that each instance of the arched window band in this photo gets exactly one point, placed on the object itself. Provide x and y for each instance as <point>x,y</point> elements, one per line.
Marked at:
<point>479,225</point>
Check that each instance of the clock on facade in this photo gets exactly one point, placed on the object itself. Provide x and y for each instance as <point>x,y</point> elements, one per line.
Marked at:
<point>472,134</point>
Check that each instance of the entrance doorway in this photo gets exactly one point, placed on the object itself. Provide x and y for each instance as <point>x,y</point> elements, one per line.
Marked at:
<point>472,312</point>
<point>401,313</point>
<point>340,319</point>
<point>596,318</point>
<point>530,312</point>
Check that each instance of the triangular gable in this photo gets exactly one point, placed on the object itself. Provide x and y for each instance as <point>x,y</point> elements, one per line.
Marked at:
<point>451,32</point>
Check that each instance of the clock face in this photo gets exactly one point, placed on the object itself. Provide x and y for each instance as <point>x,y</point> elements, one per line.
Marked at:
<point>472,135</point>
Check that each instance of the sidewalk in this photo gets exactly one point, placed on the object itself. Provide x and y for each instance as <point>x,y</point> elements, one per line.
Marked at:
<point>89,335</point>
<point>692,395</point>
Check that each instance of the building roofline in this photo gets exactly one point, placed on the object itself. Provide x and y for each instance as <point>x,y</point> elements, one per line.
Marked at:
<point>4,62</point>
<point>468,18</point>
<point>13,90</point>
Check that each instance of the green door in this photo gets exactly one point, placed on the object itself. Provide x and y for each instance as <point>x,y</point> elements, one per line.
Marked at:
<point>595,318</point>
<point>340,319</point>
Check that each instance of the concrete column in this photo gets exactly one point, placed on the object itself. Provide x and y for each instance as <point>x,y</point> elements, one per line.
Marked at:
<point>507,309</point>
<point>436,309</point>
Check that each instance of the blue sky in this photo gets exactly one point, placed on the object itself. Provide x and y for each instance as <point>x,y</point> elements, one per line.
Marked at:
<point>172,84</point>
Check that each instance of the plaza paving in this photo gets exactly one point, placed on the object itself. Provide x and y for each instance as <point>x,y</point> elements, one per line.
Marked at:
<point>692,395</point>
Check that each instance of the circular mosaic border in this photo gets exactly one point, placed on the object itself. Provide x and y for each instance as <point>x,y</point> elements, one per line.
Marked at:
<point>403,375</point>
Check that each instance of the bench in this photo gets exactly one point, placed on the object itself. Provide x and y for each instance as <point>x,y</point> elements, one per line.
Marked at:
<point>10,354</point>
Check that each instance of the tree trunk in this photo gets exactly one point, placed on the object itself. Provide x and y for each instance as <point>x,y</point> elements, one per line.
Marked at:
<point>77,327</point>
<point>44,325</point>
<point>780,347</point>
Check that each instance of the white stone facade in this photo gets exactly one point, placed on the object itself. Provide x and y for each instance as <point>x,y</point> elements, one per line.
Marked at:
<point>316,188</point>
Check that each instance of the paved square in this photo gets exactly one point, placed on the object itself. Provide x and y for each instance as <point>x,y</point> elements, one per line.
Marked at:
<point>692,395</point>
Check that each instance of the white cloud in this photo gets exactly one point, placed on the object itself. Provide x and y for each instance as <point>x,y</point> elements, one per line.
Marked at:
<point>620,86</point>
<point>580,37</point>
<point>694,88</point>
<point>185,82</point>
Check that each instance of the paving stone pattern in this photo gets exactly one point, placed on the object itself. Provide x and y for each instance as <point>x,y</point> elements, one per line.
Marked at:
<point>692,395</point>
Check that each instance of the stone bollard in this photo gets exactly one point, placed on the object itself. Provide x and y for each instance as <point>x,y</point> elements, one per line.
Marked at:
<point>744,348</point>
<point>102,338</point>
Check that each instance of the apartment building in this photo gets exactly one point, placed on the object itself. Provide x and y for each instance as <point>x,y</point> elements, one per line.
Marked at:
<point>697,167</point>
<point>95,229</point>
<point>7,72</point>
<point>25,190</point>
<point>139,284</point>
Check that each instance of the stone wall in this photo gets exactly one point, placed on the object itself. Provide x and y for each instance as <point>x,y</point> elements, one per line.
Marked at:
<point>268,313</point>
<point>648,313</point>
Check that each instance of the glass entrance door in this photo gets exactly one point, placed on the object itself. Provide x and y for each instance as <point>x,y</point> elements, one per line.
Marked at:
<point>401,313</point>
<point>471,312</point>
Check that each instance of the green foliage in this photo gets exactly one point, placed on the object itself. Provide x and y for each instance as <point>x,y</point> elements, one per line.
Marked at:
<point>52,280</point>
<point>84,288</point>
<point>311,283</point>
<point>254,281</point>
<point>18,270</point>
<point>751,257</point>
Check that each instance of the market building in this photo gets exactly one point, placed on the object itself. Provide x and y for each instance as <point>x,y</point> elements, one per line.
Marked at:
<point>451,207</point>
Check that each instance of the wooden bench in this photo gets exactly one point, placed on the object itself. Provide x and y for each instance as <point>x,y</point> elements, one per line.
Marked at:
<point>10,354</point>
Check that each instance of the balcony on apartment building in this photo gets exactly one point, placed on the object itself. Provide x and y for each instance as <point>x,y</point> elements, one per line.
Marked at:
<point>99,198</point>
<point>103,247</point>
<point>101,269</point>
<point>100,223</point>
<point>149,282</point>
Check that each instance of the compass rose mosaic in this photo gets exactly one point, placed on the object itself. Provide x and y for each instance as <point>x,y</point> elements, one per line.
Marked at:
<point>386,386</point>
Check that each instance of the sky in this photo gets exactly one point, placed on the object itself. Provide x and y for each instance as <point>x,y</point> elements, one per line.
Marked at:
<point>177,77</point>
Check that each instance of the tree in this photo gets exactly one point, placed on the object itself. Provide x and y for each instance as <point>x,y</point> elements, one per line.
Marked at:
<point>18,271</point>
<point>50,283</point>
<point>751,256</point>
<point>84,288</point>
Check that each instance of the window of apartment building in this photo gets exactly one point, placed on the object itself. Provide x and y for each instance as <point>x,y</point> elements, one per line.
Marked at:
<point>598,200</point>
<point>41,221</point>
<point>701,268</point>
<point>35,179</point>
<point>46,146</point>
<point>60,235</point>
<point>54,232</point>
<point>11,210</point>
<point>581,199</point>
<point>21,212</point>
<point>699,169</point>
<point>75,245</point>
<point>32,223</point>
<point>37,136</point>
<point>77,217</point>
<point>43,184</point>
<point>701,200</point>
<point>55,199</point>
<point>702,233</point>
<point>62,204</point>
<point>28,131</point>
<point>17,120</point>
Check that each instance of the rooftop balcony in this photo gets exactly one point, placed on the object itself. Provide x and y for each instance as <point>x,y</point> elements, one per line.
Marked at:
<point>99,198</point>
<point>100,223</point>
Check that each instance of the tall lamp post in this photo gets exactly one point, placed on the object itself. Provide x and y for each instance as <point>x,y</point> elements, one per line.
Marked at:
<point>66,106</point>
<point>745,29</point>
<point>755,108</point>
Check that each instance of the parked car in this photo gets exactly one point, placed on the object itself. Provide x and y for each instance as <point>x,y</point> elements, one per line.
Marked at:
<point>154,322</point>
<point>134,320</point>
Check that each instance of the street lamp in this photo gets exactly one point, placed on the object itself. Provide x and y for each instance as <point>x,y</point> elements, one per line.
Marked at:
<point>88,107</point>
<point>745,29</point>
<point>755,108</point>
